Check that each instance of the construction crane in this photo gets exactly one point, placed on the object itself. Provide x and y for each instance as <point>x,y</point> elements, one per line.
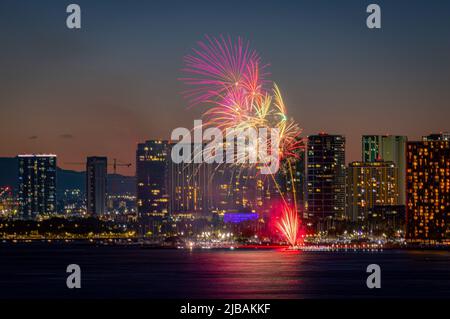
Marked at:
<point>115,164</point>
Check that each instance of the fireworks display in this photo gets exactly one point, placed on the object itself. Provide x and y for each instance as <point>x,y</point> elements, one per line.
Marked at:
<point>221,67</point>
<point>289,225</point>
<point>230,81</point>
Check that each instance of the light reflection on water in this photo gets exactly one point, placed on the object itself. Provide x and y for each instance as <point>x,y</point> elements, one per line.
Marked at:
<point>131,272</point>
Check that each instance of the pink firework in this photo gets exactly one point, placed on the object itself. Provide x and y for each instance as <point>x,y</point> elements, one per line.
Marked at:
<point>220,65</point>
<point>228,78</point>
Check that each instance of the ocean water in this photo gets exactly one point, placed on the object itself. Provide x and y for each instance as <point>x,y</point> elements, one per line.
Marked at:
<point>39,271</point>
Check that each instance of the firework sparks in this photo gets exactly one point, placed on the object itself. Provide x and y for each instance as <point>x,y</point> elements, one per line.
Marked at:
<point>230,80</point>
<point>221,65</point>
<point>289,225</point>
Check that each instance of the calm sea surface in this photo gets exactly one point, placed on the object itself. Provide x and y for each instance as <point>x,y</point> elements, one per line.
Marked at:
<point>39,271</point>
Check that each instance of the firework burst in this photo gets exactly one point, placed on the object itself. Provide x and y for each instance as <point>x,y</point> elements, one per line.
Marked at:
<point>220,66</point>
<point>229,79</point>
<point>289,225</point>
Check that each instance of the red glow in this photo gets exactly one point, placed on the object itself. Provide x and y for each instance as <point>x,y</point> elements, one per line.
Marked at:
<point>288,225</point>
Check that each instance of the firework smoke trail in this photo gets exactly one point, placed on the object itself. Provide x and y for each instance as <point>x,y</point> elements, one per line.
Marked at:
<point>228,78</point>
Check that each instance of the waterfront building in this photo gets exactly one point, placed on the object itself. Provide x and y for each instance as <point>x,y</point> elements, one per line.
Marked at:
<point>37,185</point>
<point>388,220</point>
<point>151,178</point>
<point>190,187</point>
<point>325,177</point>
<point>370,184</point>
<point>389,148</point>
<point>428,190</point>
<point>96,181</point>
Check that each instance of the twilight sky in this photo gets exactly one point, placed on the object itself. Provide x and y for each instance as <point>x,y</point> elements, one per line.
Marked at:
<point>104,88</point>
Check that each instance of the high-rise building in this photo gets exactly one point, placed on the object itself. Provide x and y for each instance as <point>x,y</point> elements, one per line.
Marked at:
<point>96,175</point>
<point>293,174</point>
<point>370,184</point>
<point>190,187</point>
<point>8,202</point>
<point>371,145</point>
<point>389,148</point>
<point>388,220</point>
<point>151,178</point>
<point>238,188</point>
<point>437,137</point>
<point>428,190</point>
<point>37,185</point>
<point>325,177</point>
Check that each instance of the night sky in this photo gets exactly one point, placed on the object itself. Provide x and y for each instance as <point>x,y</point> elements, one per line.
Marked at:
<point>114,83</point>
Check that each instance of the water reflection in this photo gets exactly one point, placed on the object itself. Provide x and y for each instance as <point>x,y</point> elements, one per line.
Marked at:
<point>130,272</point>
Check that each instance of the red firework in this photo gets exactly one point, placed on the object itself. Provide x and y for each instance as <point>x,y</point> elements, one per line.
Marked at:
<point>289,225</point>
<point>228,78</point>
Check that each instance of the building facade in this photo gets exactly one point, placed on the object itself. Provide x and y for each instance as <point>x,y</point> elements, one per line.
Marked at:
<point>8,202</point>
<point>387,220</point>
<point>437,137</point>
<point>428,190</point>
<point>151,178</point>
<point>389,148</point>
<point>190,187</point>
<point>37,186</point>
<point>239,188</point>
<point>96,181</point>
<point>370,184</point>
<point>325,176</point>
<point>291,179</point>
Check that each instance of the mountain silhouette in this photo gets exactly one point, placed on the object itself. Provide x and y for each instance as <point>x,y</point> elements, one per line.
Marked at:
<point>66,179</point>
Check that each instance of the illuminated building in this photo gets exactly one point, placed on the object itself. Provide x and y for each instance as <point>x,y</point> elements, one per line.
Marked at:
<point>370,184</point>
<point>239,217</point>
<point>37,186</point>
<point>8,202</point>
<point>284,180</point>
<point>190,187</point>
<point>240,188</point>
<point>72,203</point>
<point>326,177</point>
<point>151,174</point>
<point>389,148</point>
<point>123,205</point>
<point>437,137</point>
<point>387,219</point>
<point>428,190</point>
<point>234,188</point>
<point>96,175</point>
<point>243,223</point>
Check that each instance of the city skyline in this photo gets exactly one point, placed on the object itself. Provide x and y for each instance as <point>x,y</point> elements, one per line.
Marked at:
<point>130,170</point>
<point>376,82</point>
<point>365,192</point>
<point>224,158</point>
